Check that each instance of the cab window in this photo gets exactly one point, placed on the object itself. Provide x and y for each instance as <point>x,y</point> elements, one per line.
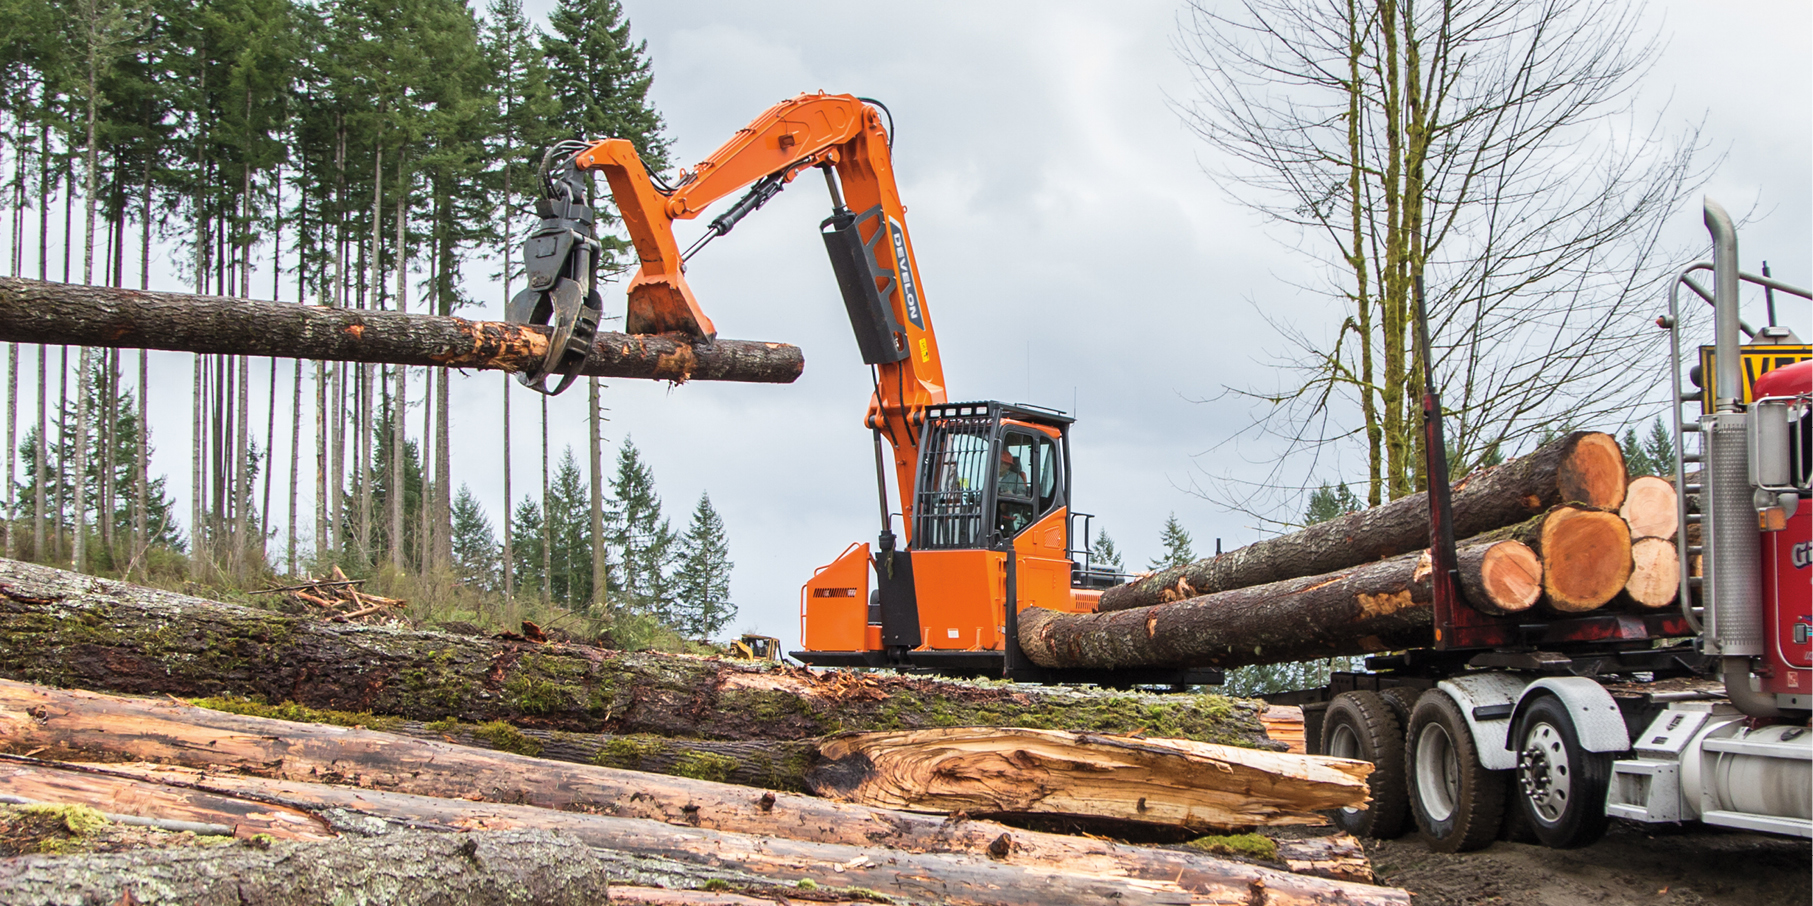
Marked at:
<point>1014,500</point>
<point>1050,487</point>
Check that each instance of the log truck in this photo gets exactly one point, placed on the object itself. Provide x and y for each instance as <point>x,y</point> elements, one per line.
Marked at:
<point>983,488</point>
<point>1701,714</point>
<point>1574,720</point>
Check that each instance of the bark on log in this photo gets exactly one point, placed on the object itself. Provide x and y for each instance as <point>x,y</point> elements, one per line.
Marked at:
<point>1382,606</point>
<point>1500,578</point>
<point>1192,785</point>
<point>90,726</point>
<point>33,311</point>
<point>151,800</point>
<point>66,629</point>
<point>1584,466</point>
<point>983,880</point>
<point>1586,555</point>
<point>1655,576</point>
<point>1650,507</point>
<point>1336,856</point>
<point>419,867</point>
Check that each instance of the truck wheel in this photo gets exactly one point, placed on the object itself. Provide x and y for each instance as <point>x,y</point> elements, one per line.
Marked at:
<point>1560,786</point>
<point>1456,801</point>
<point>1401,699</point>
<point>1361,725</point>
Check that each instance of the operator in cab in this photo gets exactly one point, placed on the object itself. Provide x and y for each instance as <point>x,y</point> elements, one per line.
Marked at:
<point>1013,494</point>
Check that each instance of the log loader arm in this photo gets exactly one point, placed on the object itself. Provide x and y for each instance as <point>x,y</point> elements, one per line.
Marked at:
<point>865,235</point>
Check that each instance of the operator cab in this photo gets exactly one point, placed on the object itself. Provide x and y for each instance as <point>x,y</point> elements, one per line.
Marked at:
<point>988,472</point>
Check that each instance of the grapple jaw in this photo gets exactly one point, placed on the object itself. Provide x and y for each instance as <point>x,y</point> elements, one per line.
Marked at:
<point>561,260</point>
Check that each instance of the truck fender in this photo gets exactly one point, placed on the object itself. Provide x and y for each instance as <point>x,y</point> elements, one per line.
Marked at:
<point>1487,700</point>
<point>1597,721</point>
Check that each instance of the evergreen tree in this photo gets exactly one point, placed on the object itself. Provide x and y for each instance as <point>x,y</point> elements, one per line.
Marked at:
<point>474,544</point>
<point>124,437</point>
<point>1327,502</point>
<point>1653,455</point>
<point>525,543</point>
<point>701,582</point>
<point>641,540</point>
<point>599,77</point>
<point>1104,555</point>
<point>1176,543</point>
<point>567,511</point>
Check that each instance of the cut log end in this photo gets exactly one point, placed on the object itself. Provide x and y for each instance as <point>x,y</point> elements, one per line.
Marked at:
<point>1593,472</point>
<point>1650,507</point>
<point>1586,558</point>
<point>1655,577</point>
<point>1501,578</point>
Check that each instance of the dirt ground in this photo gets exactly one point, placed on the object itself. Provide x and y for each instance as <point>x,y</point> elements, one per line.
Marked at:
<point>1633,865</point>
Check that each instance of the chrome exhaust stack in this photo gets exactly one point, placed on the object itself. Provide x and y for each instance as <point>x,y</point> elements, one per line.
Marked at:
<point>1733,571</point>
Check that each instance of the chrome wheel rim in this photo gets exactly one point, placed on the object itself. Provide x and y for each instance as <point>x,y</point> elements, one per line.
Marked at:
<point>1544,772</point>
<point>1344,743</point>
<point>1437,772</point>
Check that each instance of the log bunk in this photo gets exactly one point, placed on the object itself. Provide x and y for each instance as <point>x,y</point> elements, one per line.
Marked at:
<point>321,740</point>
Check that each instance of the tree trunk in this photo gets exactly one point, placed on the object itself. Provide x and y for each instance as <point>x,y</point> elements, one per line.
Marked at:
<point>509,551</point>
<point>1500,578</point>
<point>1583,466</point>
<point>595,459</point>
<point>1016,878</point>
<point>399,400</point>
<point>40,782</point>
<point>1655,576</point>
<point>1586,555</point>
<point>487,868</point>
<point>981,771</point>
<point>36,312</point>
<point>1650,507</point>
<point>1382,606</point>
<point>92,727</point>
<point>67,629</point>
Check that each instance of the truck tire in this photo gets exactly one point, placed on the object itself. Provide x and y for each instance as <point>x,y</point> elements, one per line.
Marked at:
<point>1401,699</point>
<point>1361,725</point>
<point>1560,787</point>
<point>1457,803</point>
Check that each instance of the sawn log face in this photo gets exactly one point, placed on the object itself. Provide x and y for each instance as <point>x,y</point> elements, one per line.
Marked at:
<point>33,311</point>
<point>1583,466</point>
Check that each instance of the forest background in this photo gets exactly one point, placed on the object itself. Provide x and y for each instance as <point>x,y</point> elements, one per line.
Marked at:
<point>1022,213</point>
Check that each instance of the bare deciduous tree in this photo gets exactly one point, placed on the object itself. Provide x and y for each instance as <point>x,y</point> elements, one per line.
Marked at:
<point>1488,146</point>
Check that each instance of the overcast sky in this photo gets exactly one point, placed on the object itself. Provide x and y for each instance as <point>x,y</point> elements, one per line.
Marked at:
<point>1072,254</point>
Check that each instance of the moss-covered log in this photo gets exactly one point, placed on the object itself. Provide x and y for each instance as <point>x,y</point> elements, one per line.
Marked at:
<point>895,871</point>
<point>498,868</point>
<point>1583,466</point>
<point>33,311</point>
<point>66,629</point>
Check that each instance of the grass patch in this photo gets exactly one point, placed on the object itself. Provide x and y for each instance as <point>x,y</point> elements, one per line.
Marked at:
<point>1250,846</point>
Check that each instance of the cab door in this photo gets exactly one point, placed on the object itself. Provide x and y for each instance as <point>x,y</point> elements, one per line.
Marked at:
<point>1041,543</point>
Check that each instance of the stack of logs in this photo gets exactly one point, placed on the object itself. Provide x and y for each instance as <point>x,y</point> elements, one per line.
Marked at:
<point>465,769</point>
<point>1562,531</point>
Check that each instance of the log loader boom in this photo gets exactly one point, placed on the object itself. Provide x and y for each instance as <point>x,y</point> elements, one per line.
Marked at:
<point>982,489</point>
